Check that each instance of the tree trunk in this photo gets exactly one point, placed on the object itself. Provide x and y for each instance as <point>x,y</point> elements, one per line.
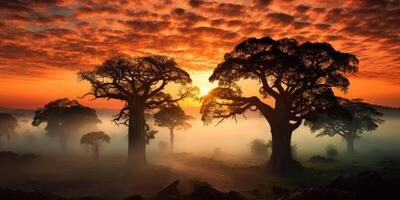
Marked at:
<point>350,145</point>
<point>137,139</point>
<point>171,140</point>
<point>281,159</point>
<point>96,152</point>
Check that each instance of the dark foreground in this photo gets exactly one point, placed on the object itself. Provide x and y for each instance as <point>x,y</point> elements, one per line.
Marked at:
<point>33,177</point>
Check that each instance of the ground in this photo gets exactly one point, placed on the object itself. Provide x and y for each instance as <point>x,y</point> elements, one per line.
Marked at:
<point>110,178</point>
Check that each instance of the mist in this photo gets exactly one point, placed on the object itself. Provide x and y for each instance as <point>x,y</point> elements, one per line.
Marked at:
<point>231,138</point>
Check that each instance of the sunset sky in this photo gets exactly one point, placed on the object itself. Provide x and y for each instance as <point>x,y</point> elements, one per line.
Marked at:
<point>43,43</point>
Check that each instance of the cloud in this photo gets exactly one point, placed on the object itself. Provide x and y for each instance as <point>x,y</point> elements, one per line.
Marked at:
<point>67,34</point>
<point>280,18</point>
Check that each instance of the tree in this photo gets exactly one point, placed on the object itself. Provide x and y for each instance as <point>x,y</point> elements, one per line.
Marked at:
<point>260,148</point>
<point>363,118</point>
<point>299,77</point>
<point>66,118</point>
<point>8,124</point>
<point>94,140</point>
<point>331,151</point>
<point>172,117</point>
<point>140,82</point>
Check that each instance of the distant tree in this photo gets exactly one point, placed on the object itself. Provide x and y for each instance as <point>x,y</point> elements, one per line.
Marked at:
<point>8,124</point>
<point>331,151</point>
<point>94,140</point>
<point>260,148</point>
<point>298,76</point>
<point>140,82</point>
<point>363,118</point>
<point>66,118</point>
<point>163,146</point>
<point>172,117</point>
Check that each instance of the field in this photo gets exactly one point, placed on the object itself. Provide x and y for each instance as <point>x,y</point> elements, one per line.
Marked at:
<point>110,177</point>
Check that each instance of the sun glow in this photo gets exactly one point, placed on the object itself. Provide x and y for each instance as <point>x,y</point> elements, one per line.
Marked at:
<point>204,91</point>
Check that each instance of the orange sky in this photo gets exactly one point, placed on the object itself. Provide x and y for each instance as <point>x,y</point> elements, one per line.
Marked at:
<point>43,43</point>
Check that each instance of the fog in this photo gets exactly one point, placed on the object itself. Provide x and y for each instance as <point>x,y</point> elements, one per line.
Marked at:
<point>231,138</point>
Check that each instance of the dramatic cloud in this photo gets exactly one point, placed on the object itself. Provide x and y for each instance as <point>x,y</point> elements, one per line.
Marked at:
<point>45,35</point>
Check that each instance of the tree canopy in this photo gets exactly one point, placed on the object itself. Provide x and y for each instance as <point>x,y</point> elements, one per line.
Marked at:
<point>65,117</point>
<point>301,74</point>
<point>138,80</point>
<point>363,118</point>
<point>95,138</point>
<point>172,116</point>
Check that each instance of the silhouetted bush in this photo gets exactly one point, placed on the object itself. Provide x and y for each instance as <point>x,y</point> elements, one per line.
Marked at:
<point>331,151</point>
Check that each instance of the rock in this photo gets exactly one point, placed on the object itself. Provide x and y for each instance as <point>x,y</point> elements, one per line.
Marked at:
<point>320,194</point>
<point>207,192</point>
<point>232,195</point>
<point>368,185</point>
<point>171,192</point>
<point>204,191</point>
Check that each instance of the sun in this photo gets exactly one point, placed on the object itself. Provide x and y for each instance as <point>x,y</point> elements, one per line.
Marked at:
<point>204,91</point>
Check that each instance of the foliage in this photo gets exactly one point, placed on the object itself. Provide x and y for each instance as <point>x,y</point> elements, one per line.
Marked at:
<point>95,138</point>
<point>363,118</point>
<point>138,81</point>
<point>172,116</point>
<point>64,117</point>
<point>331,151</point>
<point>298,76</point>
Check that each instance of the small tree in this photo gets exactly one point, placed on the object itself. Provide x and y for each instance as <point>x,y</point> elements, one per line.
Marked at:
<point>8,124</point>
<point>299,77</point>
<point>260,148</point>
<point>94,140</point>
<point>66,118</point>
<point>331,151</point>
<point>363,118</point>
<point>172,117</point>
<point>141,83</point>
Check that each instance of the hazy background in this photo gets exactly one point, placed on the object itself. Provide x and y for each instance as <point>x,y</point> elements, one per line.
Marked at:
<point>229,137</point>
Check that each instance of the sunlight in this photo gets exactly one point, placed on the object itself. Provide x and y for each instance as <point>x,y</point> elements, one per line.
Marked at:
<point>204,91</point>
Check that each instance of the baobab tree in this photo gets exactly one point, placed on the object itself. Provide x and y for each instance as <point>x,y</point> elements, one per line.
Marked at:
<point>172,117</point>
<point>140,82</point>
<point>66,118</point>
<point>94,140</point>
<point>8,124</point>
<point>363,118</point>
<point>299,77</point>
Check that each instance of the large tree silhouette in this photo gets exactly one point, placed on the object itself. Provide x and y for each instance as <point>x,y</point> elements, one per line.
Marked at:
<point>66,118</point>
<point>140,82</point>
<point>363,118</point>
<point>8,124</point>
<point>172,117</point>
<point>299,77</point>
<point>94,140</point>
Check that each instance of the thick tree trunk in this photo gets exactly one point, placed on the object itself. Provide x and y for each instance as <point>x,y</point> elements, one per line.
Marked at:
<point>96,152</point>
<point>137,138</point>
<point>281,159</point>
<point>350,145</point>
<point>171,140</point>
